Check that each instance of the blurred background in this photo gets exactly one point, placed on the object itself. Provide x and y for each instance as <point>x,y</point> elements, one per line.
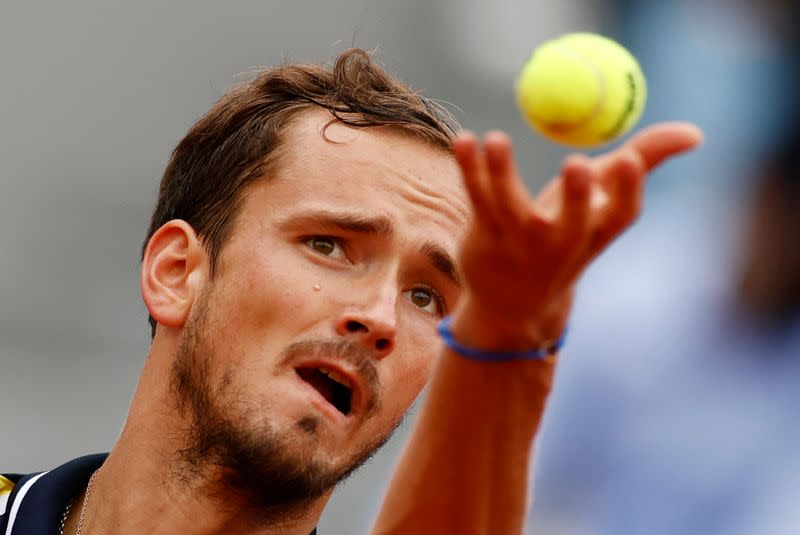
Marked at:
<point>674,406</point>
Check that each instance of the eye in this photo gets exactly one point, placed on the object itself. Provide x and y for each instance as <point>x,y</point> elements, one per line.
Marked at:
<point>326,246</point>
<point>426,299</point>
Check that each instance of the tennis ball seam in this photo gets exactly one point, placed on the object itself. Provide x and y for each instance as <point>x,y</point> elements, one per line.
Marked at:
<point>601,82</point>
<point>630,101</point>
<point>629,107</point>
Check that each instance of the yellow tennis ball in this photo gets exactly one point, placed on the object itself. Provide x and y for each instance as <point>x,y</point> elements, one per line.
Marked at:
<point>582,89</point>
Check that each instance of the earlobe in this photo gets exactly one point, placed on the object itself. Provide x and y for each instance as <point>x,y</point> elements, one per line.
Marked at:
<point>174,268</point>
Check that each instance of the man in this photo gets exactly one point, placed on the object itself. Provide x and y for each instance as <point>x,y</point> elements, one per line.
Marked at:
<point>301,254</point>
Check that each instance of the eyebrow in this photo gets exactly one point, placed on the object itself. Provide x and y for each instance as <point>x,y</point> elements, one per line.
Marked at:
<point>439,258</point>
<point>442,261</point>
<point>347,221</point>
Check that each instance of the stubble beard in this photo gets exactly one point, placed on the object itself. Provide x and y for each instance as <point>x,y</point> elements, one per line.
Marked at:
<point>230,450</point>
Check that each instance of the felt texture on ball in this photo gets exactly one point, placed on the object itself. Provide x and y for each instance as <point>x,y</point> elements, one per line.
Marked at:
<point>582,89</point>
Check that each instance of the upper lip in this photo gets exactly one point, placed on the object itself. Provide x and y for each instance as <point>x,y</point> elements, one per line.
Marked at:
<point>360,391</point>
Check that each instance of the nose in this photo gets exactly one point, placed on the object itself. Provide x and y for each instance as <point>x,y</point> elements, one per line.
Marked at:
<point>372,324</point>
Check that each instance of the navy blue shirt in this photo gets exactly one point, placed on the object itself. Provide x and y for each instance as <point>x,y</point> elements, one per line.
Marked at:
<point>36,502</point>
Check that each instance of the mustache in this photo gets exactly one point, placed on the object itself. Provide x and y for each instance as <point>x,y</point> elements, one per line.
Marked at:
<point>343,350</point>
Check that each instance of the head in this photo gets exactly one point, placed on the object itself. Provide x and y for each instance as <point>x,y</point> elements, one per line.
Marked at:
<point>300,255</point>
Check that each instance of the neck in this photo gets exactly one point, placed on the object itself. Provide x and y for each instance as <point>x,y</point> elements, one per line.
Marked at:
<point>143,488</point>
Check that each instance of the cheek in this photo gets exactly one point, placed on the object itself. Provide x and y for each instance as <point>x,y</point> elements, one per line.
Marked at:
<point>409,374</point>
<point>250,324</point>
<point>266,293</point>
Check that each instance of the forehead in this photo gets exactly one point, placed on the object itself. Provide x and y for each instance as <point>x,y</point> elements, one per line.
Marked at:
<point>370,170</point>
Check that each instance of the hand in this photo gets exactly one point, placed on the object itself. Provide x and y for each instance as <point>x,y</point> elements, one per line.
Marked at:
<point>522,255</point>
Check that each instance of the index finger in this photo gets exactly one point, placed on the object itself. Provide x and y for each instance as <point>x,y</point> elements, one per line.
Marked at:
<point>658,142</point>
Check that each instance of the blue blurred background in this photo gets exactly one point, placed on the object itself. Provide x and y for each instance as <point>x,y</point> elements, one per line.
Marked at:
<point>673,410</point>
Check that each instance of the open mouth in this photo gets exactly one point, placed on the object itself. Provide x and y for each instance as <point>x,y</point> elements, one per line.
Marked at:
<point>334,387</point>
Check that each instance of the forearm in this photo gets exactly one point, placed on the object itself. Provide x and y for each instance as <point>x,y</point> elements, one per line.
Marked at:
<point>465,468</point>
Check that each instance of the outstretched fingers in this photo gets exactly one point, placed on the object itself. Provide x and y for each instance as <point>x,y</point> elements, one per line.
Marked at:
<point>657,143</point>
<point>577,183</point>
<point>623,172</point>
<point>499,197</point>
<point>476,177</point>
<point>623,181</point>
<point>661,141</point>
<point>589,205</point>
<point>511,201</point>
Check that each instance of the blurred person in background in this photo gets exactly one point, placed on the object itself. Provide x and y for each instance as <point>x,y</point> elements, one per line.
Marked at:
<point>769,286</point>
<point>687,424</point>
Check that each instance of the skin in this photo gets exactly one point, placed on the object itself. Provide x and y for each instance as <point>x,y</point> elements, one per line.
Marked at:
<point>465,469</point>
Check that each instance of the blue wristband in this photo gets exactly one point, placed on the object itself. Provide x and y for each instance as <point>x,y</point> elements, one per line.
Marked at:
<point>496,356</point>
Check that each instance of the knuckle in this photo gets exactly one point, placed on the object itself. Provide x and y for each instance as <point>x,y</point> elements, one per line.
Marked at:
<point>599,237</point>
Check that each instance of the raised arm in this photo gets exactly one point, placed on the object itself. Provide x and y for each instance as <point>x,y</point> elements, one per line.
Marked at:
<point>466,467</point>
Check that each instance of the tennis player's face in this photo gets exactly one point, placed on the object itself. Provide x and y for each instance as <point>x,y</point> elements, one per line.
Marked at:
<point>318,330</point>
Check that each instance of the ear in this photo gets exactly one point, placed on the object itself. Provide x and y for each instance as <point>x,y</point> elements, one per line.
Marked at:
<point>174,270</point>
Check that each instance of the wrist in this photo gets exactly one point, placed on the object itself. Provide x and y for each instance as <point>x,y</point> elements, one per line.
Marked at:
<point>548,349</point>
<point>474,325</point>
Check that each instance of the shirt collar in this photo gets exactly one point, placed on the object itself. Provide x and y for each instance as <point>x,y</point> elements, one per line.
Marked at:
<point>39,500</point>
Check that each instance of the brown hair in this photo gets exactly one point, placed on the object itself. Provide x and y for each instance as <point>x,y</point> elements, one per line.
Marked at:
<point>239,139</point>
